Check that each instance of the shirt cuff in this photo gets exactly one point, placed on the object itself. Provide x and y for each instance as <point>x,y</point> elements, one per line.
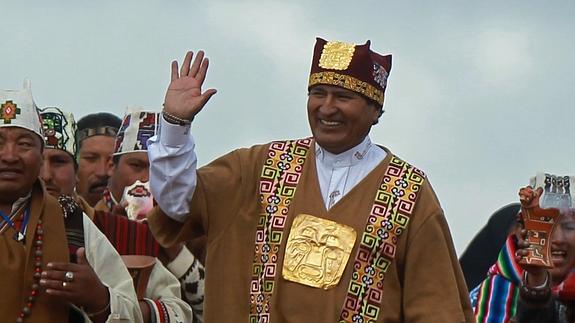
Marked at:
<point>180,265</point>
<point>173,135</point>
<point>118,306</point>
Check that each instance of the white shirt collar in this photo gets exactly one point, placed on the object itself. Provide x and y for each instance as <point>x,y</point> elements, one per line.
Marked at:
<point>347,158</point>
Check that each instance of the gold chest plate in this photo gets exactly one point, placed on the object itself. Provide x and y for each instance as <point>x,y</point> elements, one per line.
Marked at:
<point>317,251</point>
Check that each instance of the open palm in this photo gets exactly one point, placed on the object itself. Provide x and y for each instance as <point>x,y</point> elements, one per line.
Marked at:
<point>184,98</point>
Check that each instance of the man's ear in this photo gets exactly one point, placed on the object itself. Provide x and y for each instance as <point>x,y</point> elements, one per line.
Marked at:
<point>377,115</point>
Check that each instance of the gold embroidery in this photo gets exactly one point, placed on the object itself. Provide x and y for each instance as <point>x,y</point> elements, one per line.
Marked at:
<point>347,82</point>
<point>336,55</point>
<point>317,251</point>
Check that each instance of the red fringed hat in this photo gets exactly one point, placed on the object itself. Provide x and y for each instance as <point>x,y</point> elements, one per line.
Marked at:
<point>353,67</point>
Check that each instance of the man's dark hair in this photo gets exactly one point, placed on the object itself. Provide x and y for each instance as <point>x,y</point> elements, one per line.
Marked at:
<point>97,120</point>
<point>116,159</point>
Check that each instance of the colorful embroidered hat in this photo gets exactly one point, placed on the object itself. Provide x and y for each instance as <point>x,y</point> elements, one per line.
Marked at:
<point>353,67</point>
<point>17,109</point>
<point>137,127</point>
<point>59,129</point>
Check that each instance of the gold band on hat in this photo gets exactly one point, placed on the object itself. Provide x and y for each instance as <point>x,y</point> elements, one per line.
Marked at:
<point>347,82</point>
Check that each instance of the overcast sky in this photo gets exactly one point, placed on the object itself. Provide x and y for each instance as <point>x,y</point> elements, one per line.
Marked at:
<point>479,97</point>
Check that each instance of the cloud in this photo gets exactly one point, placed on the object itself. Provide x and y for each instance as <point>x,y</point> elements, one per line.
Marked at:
<point>278,30</point>
<point>502,55</point>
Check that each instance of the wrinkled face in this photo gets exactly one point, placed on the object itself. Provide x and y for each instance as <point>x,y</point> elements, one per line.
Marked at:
<point>563,247</point>
<point>94,155</point>
<point>20,162</point>
<point>130,167</point>
<point>58,172</point>
<point>339,119</point>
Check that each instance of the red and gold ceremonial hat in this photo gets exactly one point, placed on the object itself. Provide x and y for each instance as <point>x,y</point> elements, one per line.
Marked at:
<point>17,109</point>
<point>353,67</point>
<point>137,127</point>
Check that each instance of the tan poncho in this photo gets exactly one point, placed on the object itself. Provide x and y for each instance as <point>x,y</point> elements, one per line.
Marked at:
<point>17,262</point>
<point>423,284</point>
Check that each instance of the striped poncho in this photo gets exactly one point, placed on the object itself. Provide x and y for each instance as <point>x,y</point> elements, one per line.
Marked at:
<point>495,299</point>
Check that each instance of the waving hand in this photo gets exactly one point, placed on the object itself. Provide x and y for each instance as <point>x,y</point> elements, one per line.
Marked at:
<point>184,98</point>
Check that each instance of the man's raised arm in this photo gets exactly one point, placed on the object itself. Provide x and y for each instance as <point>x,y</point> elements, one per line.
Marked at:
<point>173,161</point>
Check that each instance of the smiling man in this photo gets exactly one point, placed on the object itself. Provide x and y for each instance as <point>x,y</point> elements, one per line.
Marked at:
<point>332,228</point>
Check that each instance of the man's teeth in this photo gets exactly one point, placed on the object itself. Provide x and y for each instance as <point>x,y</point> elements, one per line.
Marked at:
<point>558,253</point>
<point>329,123</point>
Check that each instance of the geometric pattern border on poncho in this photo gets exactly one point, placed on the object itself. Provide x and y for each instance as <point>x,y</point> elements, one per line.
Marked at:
<point>278,182</point>
<point>394,203</point>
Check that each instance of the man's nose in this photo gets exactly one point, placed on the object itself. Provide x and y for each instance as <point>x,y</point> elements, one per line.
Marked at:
<point>328,106</point>
<point>145,176</point>
<point>101,168</point>
<point>45,173</point>
<point>8,153</point>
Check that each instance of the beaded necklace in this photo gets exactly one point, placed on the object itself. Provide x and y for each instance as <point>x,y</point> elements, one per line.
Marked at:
<point>35,288</point>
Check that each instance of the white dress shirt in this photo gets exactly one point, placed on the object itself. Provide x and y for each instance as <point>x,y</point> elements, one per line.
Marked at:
<point>339,174</point>
<point>173,164</point>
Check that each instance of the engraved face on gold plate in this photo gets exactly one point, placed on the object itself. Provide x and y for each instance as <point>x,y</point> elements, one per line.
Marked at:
<point>336,55</point>
<point>317,251</point>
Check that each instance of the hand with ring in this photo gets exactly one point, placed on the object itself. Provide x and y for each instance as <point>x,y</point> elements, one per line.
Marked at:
<point>75,283</point>
<point>69,276</point>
